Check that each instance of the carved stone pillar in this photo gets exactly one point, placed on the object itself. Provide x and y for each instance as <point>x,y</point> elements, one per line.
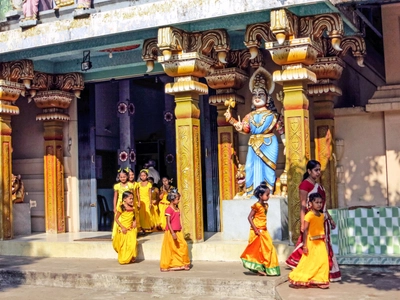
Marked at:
<point>54,105</point>
<point>9,92</point>
<point>226,82</point>
<point>298,43</point>
<point>186,68</point>
<point>294,78</point>
<point>323,93</point>
<point>187,57</point>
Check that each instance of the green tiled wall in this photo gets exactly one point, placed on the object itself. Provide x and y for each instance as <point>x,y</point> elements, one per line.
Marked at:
<point>366,231</point>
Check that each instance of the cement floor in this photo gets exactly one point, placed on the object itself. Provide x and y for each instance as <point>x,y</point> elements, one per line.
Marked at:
<point>358,282</point>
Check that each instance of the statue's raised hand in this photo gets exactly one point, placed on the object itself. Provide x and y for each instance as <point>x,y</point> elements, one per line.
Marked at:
<point>228,115</point>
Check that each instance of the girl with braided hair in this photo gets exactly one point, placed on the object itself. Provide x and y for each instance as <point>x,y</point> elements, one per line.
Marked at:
<point>260,254</point>
<point>174,251</point>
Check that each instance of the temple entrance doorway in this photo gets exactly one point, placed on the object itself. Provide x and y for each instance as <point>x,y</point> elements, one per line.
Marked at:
<point>149,134</point>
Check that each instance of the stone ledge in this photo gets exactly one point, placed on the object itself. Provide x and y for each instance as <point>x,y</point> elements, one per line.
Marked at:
<point>378,107</point>
<point>368,259</point>
<point>349,111</point>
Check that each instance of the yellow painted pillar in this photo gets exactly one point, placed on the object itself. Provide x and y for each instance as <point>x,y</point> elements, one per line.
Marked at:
<point>297,135</point>
<point>323,93</point>
<point>294,56</point>
<point>226,82</point>
<point>188,155</point>
<point>324,132</point>
<point>54,104</point>
<point>227,137</point>
<point>54,177</point>
<point>9,92</point>
<point>184,57</point>
<point>187,89</point>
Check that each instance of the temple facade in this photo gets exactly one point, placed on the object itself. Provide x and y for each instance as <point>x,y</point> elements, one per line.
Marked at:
<point>89,86</point>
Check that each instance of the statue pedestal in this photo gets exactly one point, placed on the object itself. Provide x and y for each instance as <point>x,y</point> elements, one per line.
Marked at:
<point>27,23</point>
<point>236,226</point>
<point>22,219</point>
<point>83,12</point>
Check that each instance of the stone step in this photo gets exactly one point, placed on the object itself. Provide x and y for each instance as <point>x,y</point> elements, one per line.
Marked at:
<point>98,245</point>
<point>33,292</point>
<point>208,279</point>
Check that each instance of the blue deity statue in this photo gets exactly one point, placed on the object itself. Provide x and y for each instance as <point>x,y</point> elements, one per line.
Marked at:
<point>262,154</point>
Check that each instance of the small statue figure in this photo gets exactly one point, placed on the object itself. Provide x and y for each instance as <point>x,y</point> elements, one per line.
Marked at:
<point>83,4</point>
<point>30,10</point>
<point>281,185</point>
<point>17,189</point>
<point>283,179</point>
<point>262,154</point>
<point>241,181</point>
<point>62,3</point>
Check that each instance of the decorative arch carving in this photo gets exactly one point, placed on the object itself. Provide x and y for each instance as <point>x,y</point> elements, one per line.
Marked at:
<point>354,43</point>
<point>286,26</point>
<point>150,53</point>
<point>16,71</point>
<point>255,33</point>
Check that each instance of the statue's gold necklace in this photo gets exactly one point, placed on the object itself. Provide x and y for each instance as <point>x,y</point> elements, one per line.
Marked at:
<point>261,122</point>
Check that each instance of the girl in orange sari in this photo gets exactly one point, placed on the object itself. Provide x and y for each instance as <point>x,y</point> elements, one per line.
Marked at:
<point>260,254</point>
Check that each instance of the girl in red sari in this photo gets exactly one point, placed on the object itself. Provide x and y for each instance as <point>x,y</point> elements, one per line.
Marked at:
<point>308,186</point>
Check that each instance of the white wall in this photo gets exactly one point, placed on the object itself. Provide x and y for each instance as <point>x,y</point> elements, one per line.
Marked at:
<point>364,159</point>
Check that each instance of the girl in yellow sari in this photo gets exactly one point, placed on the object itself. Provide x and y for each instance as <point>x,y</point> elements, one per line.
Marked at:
<point>144,198</point>
<point>119,188</point>
<point>135,199</point>
<point>164,203</point>
<point>155,212</point>
<point>260,254</point>
<point>124,242</point>
<point>313,267</point>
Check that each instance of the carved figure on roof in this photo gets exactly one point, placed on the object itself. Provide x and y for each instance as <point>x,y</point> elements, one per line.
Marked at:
<point>260,123</point>
<point>30,10</point>
<point>62,3</point>
<point>83,4</point>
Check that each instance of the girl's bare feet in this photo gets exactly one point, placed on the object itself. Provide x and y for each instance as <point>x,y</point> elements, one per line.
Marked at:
<point>261,273</point>
<point>323,286</point>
